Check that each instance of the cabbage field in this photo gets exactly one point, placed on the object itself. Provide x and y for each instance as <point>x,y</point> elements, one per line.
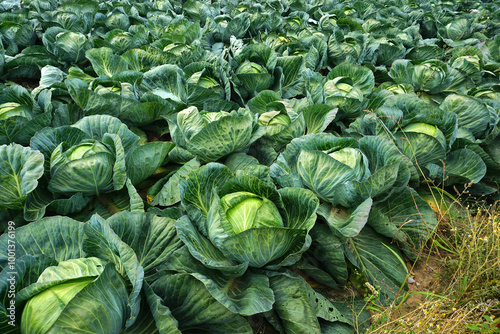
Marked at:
<point>227,166</point>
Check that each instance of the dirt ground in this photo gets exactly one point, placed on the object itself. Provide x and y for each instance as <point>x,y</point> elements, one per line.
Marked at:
<point>425,273</point>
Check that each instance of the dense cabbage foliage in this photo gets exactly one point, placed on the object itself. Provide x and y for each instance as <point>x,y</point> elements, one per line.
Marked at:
<point>217,166</point>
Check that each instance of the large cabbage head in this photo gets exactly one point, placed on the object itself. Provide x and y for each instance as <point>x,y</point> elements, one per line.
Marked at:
<point>432,76</point>
<point>245,218</point>
<point>253,78</point>
<point>282,126</point>
<point>347,87</point>
<point>248,67</point>
<point>48,305</point>
<point>20,115</point>
<point>87,294</point>
<point>11,109</point>
<point>213,135</point>
<point>423,143</point>
<point>88,167</point>
<point>275,122</point>
<point>341,87</point>
<point>323,171</point>
<point>428,129</point>
<point>245,210</point>
<point>342,170</point>
<point>203,74</point>
<point>350,157</point>
<point>322,163</point>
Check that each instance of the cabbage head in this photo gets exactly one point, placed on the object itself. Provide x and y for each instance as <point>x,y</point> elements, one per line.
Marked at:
<point>21,116</point>
<point>423,143</point>
<point>323,171</point>
<point>281,126</point>
<point>11,109</point>
<point>428,129</point>
<point>85,294</point>
<point>213,135</point>
<point>245,210</point>
<point>347,88</point>
<point>91,167</point>
<point>249,67</point>
<point>246,219</point>
<point>253,78</point>
<point>275,124</point>
<point>341,170</point>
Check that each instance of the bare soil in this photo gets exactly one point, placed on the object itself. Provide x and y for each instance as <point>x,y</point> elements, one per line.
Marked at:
<point>429,277</point>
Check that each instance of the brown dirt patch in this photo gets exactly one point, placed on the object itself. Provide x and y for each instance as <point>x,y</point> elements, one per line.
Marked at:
<point>428,275</point>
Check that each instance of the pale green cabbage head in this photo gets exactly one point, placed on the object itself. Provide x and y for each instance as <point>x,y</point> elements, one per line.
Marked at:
<point>427,129</point>
<point>85,150</point>
<point>43,310</point>
<point>249,67</point>
<point>348,156</point>
<point>11,109</point>
<point>245,210</point>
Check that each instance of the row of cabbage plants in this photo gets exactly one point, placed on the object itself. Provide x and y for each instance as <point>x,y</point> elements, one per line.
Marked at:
<point>219,166</point>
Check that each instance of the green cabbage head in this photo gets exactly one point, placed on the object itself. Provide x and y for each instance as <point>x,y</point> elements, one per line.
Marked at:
<point>246,219</point>
<point>213,135</point>
<point>253,78</point>
<point>428,129</point>
<point>249,67</point>
<point>90,167</point>
<point>43,310</point>
<point>342,93</point>
<point>342,86</point>
<point>11,109</point>
<point>423,143</point>
<point>85,294</point>
<point>275,124</point>
<point>325,165</point>
<point>281,127</point>
<point>86,150</point>
<point>245,210</point>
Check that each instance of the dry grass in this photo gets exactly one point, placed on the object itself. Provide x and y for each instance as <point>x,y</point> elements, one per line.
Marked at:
<point>466,296</point>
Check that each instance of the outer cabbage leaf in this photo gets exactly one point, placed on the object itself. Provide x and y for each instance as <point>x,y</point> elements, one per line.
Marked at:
<point>59,238</point>
<point>405,217</point>
<point>194,308</point>
<point>26,271</point>
<point>379,261</point>
<point>104,243</point>
<point>298,306</point>
<point>461,166</point>
<point>204,251</point>
<point>105,63</point>
<point>98,125</point>
<point>66,45</point>
<point>145,159</point>
<point>152,238</point>
<point>46,140</point>
<point>247,294</point>
<point>474,115</point>
<point>20,169</point>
